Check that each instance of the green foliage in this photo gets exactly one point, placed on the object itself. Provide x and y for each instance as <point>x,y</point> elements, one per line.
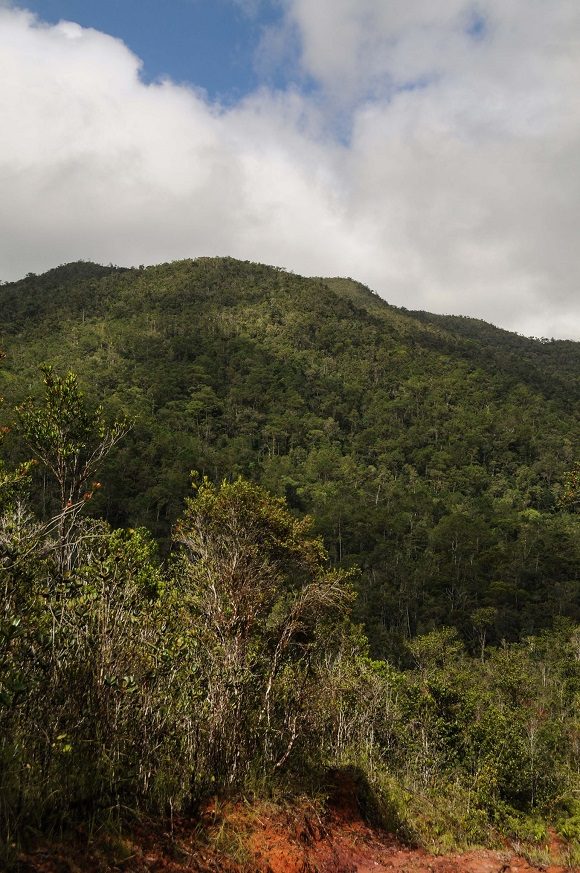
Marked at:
<point>570,497</point>
<point>442,819</point>
<point>12,481</point>
<point>267,612</point>
<point>427,454</point>
<point>419,444</point>
<point>70,441</point>
<point>126,686</point>
<point>67,438</point>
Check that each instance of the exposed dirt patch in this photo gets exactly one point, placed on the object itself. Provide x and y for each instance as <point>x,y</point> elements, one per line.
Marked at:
<point>261,838</point>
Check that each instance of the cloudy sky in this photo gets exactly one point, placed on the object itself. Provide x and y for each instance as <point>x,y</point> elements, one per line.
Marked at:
<point>428,149</point>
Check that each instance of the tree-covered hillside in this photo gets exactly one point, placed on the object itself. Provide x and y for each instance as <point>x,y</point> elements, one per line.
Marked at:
<point>432,451</point>
<point>138,681</point>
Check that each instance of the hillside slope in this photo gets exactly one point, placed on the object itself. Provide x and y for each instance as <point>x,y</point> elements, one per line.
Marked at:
<point>262,838</point>
<point>429,449</point>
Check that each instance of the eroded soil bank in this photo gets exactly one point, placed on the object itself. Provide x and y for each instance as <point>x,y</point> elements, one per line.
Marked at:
<point>263,838</point>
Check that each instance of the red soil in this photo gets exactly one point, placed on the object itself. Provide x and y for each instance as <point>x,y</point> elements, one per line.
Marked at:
<point>241,838</point>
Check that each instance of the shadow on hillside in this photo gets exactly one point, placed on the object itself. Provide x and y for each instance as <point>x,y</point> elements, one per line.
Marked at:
<point>351,796</point>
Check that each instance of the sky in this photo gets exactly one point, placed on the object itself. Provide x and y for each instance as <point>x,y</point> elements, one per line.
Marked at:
<point>429,150</point>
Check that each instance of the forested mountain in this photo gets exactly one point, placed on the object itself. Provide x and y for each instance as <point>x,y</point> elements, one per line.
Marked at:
<point>439,460</point>
<point>431,450</point>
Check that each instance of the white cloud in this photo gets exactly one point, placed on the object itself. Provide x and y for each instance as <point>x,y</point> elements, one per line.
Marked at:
<point>456,190</point>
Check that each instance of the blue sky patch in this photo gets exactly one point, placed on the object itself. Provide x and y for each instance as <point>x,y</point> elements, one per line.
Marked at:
<point>208,43</point>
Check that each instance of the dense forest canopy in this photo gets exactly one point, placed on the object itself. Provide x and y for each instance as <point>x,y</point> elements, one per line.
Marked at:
<point>375,564</point>
<point>431,450</point>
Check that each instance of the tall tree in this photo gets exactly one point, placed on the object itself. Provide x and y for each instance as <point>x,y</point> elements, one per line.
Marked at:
<point>71,441</point>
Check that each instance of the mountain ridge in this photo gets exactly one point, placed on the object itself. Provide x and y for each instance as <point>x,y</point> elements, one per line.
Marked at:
<point>420,447</point>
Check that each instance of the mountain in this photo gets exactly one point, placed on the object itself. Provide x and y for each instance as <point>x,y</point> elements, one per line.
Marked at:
<point>430,449</point>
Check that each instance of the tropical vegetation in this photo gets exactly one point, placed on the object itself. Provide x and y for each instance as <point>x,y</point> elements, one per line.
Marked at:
<point>374,565</point>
